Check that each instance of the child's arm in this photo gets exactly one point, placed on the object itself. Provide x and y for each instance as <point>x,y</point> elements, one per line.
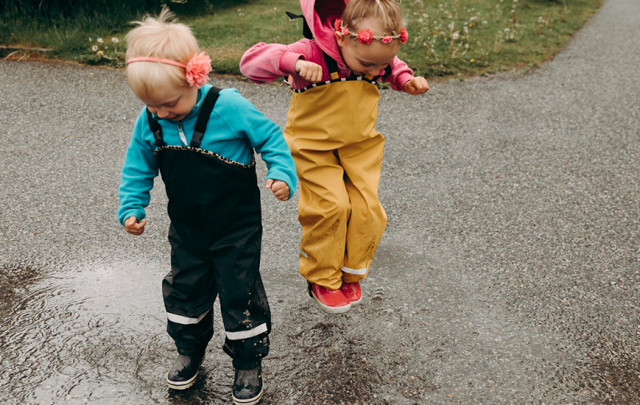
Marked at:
<point>263,63</point>
<point>138,172</point>
<point>402,79</point>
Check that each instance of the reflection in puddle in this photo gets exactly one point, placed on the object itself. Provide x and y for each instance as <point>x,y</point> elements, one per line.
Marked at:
<point>96,335</point>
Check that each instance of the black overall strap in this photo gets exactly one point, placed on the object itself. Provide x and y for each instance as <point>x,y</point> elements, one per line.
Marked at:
<point>306,31</point>
<point>387,72</point>
<point>331,63</point>
<point>155,128</point>
<point>204,115</point>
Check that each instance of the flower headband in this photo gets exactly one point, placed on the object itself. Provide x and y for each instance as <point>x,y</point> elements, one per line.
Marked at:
<point>196,70</point>
<point>365,36</point>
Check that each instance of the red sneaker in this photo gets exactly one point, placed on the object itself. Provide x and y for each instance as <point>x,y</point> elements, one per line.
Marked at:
<point>330,301</point>
<point>352,292</point>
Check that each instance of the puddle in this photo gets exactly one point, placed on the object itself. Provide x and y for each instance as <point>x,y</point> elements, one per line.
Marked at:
<point>94,335</point>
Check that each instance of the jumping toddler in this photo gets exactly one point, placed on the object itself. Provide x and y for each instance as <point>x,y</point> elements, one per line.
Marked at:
<point>331,133</point>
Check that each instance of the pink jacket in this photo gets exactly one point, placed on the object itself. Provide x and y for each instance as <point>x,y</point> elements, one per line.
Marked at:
<point>264,63</point>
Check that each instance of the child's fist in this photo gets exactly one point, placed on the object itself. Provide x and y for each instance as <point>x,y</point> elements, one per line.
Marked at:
<point>309,71</point>
<point>417,85</point>
<point>134,227</point>
<point>278,188</point>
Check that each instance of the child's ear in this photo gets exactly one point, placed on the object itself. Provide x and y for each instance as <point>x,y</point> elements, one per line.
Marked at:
<point>339,39</point>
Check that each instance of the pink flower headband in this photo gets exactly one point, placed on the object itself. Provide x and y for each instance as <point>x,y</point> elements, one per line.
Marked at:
<point>197,69</point>
<point>365,36</point>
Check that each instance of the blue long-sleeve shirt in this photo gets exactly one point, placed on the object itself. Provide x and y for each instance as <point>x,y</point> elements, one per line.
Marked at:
<point>234,128</point>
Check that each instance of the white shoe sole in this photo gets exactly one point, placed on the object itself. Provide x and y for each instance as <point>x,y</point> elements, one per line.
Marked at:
<point>331,310</point>
<point>185,384</point>
<point>182,385</point>
<point>250,401</point>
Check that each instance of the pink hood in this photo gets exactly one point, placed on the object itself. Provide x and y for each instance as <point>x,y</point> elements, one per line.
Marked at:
<point>320,16</point>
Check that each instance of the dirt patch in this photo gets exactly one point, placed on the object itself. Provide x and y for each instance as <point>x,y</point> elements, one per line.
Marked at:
<point>616,381</point>
<point>14,277</point>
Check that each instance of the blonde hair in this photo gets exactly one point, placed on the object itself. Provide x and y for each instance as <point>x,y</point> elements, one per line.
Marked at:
<point>388,12</point>
<point>159,37</point>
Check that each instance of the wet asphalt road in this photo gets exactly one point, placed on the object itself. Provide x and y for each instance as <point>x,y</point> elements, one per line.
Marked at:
<point>508,273</point>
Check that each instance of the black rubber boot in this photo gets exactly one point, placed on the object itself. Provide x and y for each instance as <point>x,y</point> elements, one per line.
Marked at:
<point>247,386</point>
<point>184,371</point>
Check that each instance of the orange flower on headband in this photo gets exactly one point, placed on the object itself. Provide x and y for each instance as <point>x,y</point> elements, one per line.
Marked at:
<point>365,36</point>
<point>196,70</point>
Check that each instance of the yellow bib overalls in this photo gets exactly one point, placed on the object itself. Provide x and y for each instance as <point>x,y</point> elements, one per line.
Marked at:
<point>338,154</point>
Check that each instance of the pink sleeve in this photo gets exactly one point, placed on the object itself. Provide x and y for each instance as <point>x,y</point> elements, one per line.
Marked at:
<point>264,63</point>
<point>400,74</point>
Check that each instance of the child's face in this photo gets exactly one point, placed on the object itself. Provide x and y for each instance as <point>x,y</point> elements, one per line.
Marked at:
<point>171,103</point>
<point>367,59</point>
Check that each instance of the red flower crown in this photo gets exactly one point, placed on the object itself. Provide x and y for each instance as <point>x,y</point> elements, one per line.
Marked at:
<point>365,36</point>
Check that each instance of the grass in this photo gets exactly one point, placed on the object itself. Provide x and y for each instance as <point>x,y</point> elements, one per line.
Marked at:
<point>453,38</point>
<point>463,37</point>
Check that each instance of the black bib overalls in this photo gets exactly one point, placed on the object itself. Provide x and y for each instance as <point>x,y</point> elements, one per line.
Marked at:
<point>215,236</point>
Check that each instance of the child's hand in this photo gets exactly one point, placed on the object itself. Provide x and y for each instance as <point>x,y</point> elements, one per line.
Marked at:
<point>417,85</point>
<point>309,71</point>
<point>278,188</point>
<point>134,227</point>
